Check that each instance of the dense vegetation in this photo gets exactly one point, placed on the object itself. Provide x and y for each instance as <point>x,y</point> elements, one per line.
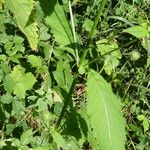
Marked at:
<point>74,74</point>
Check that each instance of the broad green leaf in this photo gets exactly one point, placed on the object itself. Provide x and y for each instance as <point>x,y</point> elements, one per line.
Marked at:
<point>3,57</point>
<point>28,80</point>
<point>26,137</point>
<point>17,107</point>
<point>88,24</point>
<point>111,54</point>
<point>16,74</point>
<point>24,9</point>
<point>137,31</point>
<point>141,117</point>
<point>19,90</point>
<point>6,98</point>
<point>16,142</point>
<point>42,105</point>
<point>44,33</point>
<point>9,84</point>
<point>59,139</point>
<point>18,82</point>
<point>35,61</point>
<point>59,25</point>
<point>105,115</point>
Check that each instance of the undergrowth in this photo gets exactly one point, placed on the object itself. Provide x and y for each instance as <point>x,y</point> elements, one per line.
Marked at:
<point>74,74</point>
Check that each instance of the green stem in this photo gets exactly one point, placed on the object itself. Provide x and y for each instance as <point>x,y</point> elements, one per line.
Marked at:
<point>102,5</point>
<point>121,47</point>
<point>69,96</point>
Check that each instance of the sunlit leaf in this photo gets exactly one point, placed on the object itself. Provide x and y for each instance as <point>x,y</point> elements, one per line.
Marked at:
<point>18,82</point>
<point>137,31</point>
<point>35,60</point>
<point>28,80</point>
<point>26,137</point>
<point>22,10</point>
<point>111,54</point>
<point>59,139</point>
<point>59,25</point>
<point>105,115</point>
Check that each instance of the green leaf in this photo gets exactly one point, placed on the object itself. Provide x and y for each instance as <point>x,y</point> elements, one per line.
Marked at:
<point>35,61</point>
<point>16,142</point>
<point>44,33</point>
<point>9,84</point>
<point>16,74</point>
<point>18,82</point>
<point>146,124</point>
<point>19,90</point>
<point>88,23</point>
<point>59,139</point>
<point>105,115</point>
<point>26,137</point>
<point>27,26</point>
<point>59,25</point>
<point>141,117</point>
<point>6,98</point>
<point>137,31</point>
<point>63,75</point>
<point>111,54</point>
<point>3,57</point>
<point>42,105</point>
<point>17,107</point>
<point>28,81</point>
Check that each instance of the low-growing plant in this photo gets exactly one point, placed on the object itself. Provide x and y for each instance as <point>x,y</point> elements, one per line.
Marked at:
<point>74,74</point>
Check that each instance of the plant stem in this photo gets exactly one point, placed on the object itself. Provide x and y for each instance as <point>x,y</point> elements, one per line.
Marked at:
<point>69,96</point>
<point>74,33</point>
<point>102,5</point>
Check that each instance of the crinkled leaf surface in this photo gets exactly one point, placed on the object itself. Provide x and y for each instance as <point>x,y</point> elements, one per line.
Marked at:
<point>105,115</point>
<point>59,25</point>
<point>22,10</point>
<point>18,82</point>
<point>28,80</point>
<point>35,60</point>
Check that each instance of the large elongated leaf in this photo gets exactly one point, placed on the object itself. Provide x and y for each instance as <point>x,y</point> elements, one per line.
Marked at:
<point>137,31</point>
<point>59,25</point>
<point>22,10</point>
<point>104,112</point>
